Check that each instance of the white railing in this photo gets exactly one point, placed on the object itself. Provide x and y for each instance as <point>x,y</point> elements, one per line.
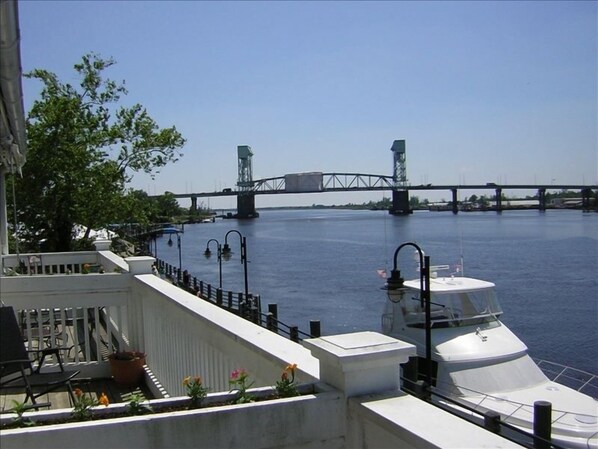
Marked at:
<point>85,314</point>
<point>82,262</point>
<point>184,335</point>
<point>93,314</point>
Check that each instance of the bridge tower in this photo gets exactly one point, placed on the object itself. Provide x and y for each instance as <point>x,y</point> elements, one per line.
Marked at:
<point>245,198</point>
<point>400,196</point>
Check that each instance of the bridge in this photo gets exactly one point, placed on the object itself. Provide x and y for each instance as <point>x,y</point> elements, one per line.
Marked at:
<point>318,182</point>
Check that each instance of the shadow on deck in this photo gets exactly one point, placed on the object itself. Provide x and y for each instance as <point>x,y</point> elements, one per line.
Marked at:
<point>93,387</point>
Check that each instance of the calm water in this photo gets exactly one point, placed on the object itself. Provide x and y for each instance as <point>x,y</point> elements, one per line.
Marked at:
<point>322,264</point>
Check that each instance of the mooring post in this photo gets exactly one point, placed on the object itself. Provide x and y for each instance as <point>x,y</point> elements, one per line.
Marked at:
<point>294,333</point>
<point>492,421</point>
<point>542,423</point>
<point>271,324</point>
<point>273,317</point>
<point>314,328</point>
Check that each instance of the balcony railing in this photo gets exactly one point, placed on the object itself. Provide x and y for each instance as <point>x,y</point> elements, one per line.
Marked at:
<point>120,309</point>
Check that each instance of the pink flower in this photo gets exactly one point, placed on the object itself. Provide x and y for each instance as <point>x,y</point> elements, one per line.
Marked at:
<point>235,374</point>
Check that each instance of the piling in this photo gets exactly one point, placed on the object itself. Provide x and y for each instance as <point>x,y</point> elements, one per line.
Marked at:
<point>542,423</point>
<point>314,328</point>
<point>492,421</point>
<point>273,317</point>
<point>294,333</point>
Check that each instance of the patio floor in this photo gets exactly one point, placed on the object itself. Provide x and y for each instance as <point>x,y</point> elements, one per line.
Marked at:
<point>60,398</point>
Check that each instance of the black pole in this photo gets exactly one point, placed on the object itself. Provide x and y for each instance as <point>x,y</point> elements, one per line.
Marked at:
<point>243,254</point>
<point>244,257</point>
<point>220,265</point>
<point>542,422</point>
<point>425,272</point>
<point>178,237</point>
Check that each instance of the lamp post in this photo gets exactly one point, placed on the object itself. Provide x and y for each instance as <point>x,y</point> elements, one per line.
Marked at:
<point>395,283</point>
<point>226,252</point>
<point>171,231</point>
<point>207,253</point>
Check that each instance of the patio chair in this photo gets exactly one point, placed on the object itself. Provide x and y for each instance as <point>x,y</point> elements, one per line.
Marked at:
<point>18,371</point>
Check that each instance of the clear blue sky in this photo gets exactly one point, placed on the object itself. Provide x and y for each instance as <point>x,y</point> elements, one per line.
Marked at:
<point>481,91</point>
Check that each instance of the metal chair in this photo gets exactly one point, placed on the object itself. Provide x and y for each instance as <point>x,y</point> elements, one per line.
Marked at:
<point>18,371</point>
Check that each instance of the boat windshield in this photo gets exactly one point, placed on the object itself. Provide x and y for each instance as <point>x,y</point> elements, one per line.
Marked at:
<point>452,309</point>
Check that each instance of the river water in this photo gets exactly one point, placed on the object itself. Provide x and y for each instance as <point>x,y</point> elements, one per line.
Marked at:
<point>323,264</point>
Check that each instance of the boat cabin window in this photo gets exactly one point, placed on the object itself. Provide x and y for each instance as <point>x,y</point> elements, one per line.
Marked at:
<point>451,309</point>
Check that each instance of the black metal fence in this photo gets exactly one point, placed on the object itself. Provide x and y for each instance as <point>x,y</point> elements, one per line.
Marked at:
<point>246,306</point>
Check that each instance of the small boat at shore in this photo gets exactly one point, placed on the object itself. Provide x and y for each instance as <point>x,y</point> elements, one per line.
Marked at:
<point>479,363</point>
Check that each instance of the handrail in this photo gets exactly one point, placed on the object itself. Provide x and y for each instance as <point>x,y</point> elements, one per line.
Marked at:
<point>518,405</point>
<point>235,302</point>
<point>569,374</point>
<point>516,434</point>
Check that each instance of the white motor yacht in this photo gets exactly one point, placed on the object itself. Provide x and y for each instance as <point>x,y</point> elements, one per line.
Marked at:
<point>479,362</point>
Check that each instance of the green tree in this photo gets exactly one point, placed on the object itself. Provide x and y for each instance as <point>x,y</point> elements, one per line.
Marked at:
<point>83,148</point>
<point>167,207</point>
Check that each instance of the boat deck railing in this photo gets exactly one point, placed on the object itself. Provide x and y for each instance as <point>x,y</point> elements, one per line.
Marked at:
<point>582,381</point>
<point>511,411</point>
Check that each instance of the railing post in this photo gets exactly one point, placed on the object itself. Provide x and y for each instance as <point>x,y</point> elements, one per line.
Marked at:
<point>241,304</point>
<point>271,323</point>
<point>230,300</point>
<point>294,333</point>
<point>492,421</point>
<point>209,294</point>
<point>219,297</point>
<point>314,328</point>
<point>542,422</point>
<point>273,311</point>
<point>201,288</point>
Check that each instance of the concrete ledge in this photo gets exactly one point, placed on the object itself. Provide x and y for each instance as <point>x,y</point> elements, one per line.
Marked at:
<point>401,420</point>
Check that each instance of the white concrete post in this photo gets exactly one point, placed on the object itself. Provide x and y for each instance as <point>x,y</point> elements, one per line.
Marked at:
<point>360,363</point>
<point>140,264</point>
<point>102,245</point>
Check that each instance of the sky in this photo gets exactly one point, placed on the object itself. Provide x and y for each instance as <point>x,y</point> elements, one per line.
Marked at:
<point>502,92</point>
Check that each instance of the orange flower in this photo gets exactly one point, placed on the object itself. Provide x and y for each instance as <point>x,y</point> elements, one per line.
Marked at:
<point>78,392</point>
<point>284,375</point>
<point>186,380</point>
<point>197,379</point>
<point>104,400</point>
<point>291,367</point>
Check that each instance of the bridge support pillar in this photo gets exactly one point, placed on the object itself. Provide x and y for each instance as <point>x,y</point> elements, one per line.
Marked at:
<point>400,203</point>
<point>455,202</point>
<point>586,199</point>
<point>498,200</point>
<point>542,199</point>
<point>193,204</point>
<point>246,206</point>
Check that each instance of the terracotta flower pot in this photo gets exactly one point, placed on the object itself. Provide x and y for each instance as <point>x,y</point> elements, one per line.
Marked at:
<point>127,367</point>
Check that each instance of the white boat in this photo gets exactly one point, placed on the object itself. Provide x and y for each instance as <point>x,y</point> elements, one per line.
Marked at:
<point>479,362</point>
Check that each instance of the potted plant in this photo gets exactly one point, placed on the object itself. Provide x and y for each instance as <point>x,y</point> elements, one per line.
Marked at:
<point>127,367</point>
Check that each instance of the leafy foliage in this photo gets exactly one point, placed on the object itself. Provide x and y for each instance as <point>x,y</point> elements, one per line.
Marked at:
<point>82,151</point>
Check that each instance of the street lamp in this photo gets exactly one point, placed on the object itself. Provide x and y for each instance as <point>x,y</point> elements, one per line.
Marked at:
<point>171,231</point>
<point>395,283</point>
<point>226,253</point>
<point>207,253</point>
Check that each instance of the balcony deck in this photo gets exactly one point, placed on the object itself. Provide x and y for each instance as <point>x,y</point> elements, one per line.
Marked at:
<point>93,387</point>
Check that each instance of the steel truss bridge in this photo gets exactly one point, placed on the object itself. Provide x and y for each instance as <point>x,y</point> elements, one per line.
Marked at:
<point>354,182</point>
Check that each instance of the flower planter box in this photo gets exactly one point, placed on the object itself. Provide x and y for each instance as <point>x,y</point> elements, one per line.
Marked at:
<point>127,367</point>
<point>300,421</point>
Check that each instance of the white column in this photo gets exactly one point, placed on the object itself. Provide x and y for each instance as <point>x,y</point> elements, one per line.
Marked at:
<point>360,363</point>
<point>102,245</point>
<point>3,214</point>
<point>140,264</point>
